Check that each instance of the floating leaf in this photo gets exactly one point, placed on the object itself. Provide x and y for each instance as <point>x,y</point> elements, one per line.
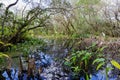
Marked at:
<point>116,64</point>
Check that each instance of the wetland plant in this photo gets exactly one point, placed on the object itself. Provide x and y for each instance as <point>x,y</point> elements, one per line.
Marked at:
<point>84,63</point>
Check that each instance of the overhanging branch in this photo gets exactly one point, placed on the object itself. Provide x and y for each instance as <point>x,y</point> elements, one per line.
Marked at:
<point>37,26</point>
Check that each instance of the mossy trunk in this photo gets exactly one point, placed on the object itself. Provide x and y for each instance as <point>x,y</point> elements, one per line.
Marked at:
<point>14,39</point>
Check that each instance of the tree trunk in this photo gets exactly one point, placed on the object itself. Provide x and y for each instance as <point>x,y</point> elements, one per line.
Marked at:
<point>16,38</point>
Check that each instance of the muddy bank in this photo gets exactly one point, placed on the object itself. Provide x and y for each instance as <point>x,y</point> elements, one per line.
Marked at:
<point>111,47</point>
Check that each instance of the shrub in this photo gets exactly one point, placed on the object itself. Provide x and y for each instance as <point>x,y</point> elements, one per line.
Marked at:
<point>26,46</point>
<point>83,63</point>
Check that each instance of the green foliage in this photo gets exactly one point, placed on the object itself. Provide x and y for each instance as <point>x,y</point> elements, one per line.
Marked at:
<point>5,46</point>
<point>88,1</point>
<point>3,56</point>
<point>100,61</point>
<point>107,69</point>
<point>84,63</point>
<point>13,26</point>
<point>28,45</point>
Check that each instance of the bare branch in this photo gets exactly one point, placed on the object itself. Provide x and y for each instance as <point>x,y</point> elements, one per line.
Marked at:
<point>24,9</point>
<point>7,8</point>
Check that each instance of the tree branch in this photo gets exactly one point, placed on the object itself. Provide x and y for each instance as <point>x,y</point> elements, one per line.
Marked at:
<point>6,13</point>
<point>7,8</point>
<point>33,28</point>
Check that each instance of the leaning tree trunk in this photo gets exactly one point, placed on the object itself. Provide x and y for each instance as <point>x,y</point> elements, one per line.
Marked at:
<point>15,38</point>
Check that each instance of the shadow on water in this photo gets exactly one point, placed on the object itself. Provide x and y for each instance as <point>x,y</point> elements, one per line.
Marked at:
<point>46,64</point>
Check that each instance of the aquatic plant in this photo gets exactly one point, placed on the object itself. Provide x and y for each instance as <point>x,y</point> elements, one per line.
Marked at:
<point>83,63</point>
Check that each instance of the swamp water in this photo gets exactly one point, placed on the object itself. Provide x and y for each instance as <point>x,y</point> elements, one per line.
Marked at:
<point>47,65</point>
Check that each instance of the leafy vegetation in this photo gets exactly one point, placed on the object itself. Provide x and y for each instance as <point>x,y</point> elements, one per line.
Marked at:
<point>5,46</point>
<point>3,58</point>
<point>27,46</point>
<point>85,63</point>
<point>3,55</point>
<point>22,31</point>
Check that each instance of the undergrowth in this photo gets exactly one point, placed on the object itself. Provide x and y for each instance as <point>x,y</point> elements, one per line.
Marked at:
<point>85,62</point>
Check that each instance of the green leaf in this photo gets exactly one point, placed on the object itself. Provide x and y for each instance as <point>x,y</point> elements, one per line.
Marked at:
<point>100,65</point>
<point>3,55</point>
<point>76,69</point>
<point>101,49</point>
<point>8,44</point>
<point>87,76</point>
<point>116,64</point>
<point>67,63</point>
<point>1,43</point>
<point>80,53</point>
<point>98,60</point>
<point>108,69</point>
<point>88,2</point>
<point>74,58</point>
<point>87,56</point>
<point>67,59</point>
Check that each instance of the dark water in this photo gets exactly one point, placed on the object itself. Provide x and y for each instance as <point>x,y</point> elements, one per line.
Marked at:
<point>50,69</point>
